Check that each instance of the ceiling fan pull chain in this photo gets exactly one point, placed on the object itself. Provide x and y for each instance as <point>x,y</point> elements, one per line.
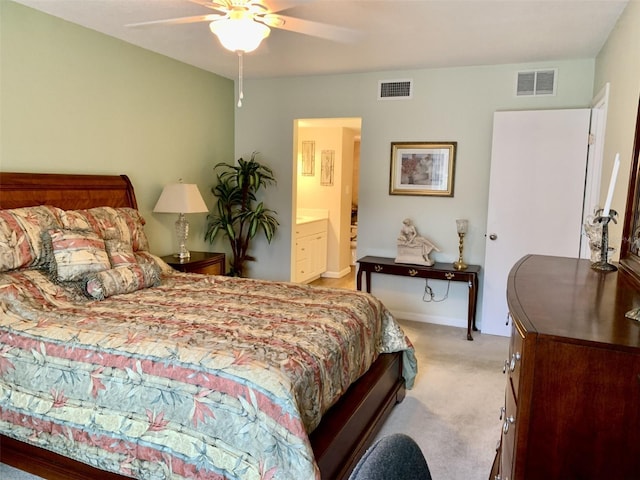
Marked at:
<point>240,73</point>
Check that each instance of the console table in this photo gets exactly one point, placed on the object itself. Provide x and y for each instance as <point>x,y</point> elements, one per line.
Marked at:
<point>439,271</point>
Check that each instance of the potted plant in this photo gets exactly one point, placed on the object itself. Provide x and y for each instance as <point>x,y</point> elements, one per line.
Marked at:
<point>238,214</point>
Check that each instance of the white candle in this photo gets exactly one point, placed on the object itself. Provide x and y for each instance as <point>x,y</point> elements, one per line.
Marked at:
<point>612,184</point>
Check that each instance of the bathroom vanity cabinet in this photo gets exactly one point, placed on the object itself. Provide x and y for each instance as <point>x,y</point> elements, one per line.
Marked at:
<point>311,250</point>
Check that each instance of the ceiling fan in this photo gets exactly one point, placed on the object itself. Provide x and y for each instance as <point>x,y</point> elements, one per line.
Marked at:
<point>241,25</point>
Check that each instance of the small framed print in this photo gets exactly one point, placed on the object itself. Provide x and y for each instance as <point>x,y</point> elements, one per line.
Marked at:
<point>326,167</point>
<point>422,168</point>
<point>308,157</point>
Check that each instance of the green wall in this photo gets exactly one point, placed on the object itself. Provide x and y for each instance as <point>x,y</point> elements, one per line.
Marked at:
<point>75,101</point>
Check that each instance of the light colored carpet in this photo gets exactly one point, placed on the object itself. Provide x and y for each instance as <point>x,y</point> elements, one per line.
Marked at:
<point>452,412</point>
<point>10,473</point>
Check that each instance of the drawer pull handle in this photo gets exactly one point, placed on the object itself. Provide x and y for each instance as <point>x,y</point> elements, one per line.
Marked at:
<point>515,358</point>
<point>378,268</point>
<point>509,421</point>
<point>413,272</point>
<point>449,275</point>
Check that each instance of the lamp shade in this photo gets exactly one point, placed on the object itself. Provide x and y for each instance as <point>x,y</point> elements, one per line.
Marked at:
<point>180,198</point>
<point>239,34</point>
<point>462,226</point>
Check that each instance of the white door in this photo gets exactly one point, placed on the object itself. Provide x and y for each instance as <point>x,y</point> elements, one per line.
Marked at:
<point>536,190</point>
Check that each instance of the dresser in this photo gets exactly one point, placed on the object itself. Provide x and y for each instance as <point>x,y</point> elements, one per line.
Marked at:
<point>572,396</point>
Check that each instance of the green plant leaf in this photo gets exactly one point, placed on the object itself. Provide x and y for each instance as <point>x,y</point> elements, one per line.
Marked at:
<point>238,213</point>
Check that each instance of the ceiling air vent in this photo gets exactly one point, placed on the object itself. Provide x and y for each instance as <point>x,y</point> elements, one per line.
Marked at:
<point>395,89</point>
<point>537,83</point>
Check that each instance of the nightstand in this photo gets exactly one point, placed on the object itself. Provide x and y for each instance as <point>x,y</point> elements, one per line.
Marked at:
<point>209,263</point>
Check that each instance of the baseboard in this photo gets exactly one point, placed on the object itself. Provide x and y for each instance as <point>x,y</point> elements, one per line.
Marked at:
<point>342,273</point>
<point>435,319</point>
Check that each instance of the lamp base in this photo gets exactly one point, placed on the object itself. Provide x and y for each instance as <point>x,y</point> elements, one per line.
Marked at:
<point>183,255</point>
<point>182,233</point>
<point>460,265</point>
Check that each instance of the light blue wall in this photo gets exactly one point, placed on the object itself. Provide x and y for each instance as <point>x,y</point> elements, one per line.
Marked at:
<point>454,104</point>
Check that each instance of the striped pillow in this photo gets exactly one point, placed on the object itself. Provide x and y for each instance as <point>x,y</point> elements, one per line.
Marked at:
<point>123,279</point>
<point>76,253</point>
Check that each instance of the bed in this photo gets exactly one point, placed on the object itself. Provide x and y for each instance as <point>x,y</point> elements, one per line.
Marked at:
<point>162,367</point>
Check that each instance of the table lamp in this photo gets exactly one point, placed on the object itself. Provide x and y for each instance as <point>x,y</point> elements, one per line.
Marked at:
<point>461,226</point>
<point>181,198</point>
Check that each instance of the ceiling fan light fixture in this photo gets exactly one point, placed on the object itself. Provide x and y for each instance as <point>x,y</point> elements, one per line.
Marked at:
<point>240,34</point>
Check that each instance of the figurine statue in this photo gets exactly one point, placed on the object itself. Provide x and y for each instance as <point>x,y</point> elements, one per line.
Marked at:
<point>412,248</point>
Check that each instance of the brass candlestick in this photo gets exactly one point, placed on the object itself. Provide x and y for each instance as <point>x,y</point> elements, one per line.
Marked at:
<point>461,226</point>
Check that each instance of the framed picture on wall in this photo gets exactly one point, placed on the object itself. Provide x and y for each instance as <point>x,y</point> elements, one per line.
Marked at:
<point>422,168</point>
<point>308,157</point>
<point>326,167</point>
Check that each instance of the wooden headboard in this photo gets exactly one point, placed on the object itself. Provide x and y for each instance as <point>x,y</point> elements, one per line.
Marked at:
<point>66,191</point>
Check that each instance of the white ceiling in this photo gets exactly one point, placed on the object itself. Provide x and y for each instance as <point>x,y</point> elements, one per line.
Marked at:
<point>391,34</point>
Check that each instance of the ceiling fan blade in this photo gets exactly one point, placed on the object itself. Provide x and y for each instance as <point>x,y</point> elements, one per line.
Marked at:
<point>308,27</point>
<point>280,5</point>
<point>178,21</point>
<point>219,5</point>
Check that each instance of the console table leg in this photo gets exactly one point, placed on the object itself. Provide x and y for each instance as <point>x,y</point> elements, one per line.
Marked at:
<point>471,314</point>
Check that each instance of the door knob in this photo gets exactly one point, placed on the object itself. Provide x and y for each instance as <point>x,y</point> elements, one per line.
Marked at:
<point>493,236</point>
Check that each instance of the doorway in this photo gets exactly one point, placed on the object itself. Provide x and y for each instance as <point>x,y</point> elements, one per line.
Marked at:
<point>326,179</point>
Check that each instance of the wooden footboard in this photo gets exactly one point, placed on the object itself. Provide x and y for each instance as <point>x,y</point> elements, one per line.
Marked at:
<point>345,432</point>
<point>350,426</point>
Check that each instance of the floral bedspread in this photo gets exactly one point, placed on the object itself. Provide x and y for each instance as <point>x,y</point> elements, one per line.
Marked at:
<point>202,377</point>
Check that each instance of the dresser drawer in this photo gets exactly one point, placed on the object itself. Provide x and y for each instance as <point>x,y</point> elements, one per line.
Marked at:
<point>208,263</point>
<point>508,440</point>
<point>311,228</point>
<point>215,269</point>
<point>514,362</point>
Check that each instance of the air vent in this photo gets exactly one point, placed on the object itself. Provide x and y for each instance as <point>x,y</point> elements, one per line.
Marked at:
<point>537,83</point>
<point>395,89</point>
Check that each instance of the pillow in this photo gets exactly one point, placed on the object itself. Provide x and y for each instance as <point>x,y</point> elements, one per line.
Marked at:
<point>21,235</point>
<point>123,279</point>
<point>135,224</point>
<point>76,253</point>
<point>119,252</point>
<point>155,261</point>
<point>124,224</point>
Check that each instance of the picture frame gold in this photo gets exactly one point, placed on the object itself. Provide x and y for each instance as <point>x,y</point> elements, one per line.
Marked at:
<point>422,168</point>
